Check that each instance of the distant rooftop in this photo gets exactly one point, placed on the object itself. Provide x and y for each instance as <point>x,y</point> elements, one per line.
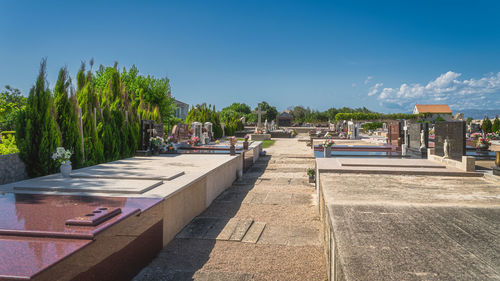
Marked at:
<point>432,108</point>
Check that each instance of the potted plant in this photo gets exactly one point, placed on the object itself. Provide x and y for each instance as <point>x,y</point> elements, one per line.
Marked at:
<point>311,173</point>
<point>156,143</point>
<point>245,142</point>
<point>232,143</point>
<point>62,156</point>
<point>483,143</point>
<point>327,148</point>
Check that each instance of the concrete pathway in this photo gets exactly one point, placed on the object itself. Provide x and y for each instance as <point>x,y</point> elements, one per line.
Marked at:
<point>265,227</point>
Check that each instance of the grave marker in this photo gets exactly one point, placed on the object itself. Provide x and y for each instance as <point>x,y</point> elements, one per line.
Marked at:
<point>394,134</point>
<point>259,113</point>
<point>415,144</point>
<point>454,131</point>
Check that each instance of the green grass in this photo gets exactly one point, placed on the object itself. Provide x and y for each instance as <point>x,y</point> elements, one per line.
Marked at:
<point>267,143</point>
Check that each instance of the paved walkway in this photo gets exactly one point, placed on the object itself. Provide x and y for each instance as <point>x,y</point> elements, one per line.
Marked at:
<point>264,227</point>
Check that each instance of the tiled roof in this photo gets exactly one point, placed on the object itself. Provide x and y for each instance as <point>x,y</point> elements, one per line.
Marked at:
<point>433,108</point>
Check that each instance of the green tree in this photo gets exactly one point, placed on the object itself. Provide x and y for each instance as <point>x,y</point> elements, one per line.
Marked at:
<point>486,126</point>
<point>88,103</point>
<point>206,113</point>
<point>469,120</point>
<point>37,134</point>
<point>155,92</point>
<point>496,125</point>
<point>11,101</point>
<point>67,118</point>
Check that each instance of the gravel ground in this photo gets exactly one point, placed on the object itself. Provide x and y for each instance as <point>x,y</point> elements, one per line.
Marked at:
<point>290,246</point>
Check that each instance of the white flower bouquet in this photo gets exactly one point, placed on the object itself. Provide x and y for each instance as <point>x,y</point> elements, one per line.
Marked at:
<point>62,155</point>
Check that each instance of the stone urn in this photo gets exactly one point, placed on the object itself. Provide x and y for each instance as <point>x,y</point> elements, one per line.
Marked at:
<point>232,150</point>
<point>245,145</point>
<point>66,169</point>
<point>327,151</point>
<point>482,147</point>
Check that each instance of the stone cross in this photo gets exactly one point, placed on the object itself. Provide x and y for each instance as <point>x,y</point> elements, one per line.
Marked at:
<point>259,113</point>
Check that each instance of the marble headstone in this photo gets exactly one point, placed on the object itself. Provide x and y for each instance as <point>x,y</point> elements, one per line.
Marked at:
<point>209,128</point>
<point>197,130</point>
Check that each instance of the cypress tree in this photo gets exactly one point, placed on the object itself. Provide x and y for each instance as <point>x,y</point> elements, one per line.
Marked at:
<point>67,118</point>
<point>37,133</point>
<point>496,126</point>
<point>87,100</point>
<point>486,126</point>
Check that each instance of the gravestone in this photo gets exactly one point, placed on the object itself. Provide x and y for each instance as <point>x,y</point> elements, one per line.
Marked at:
<point>209,128</point>
<point>147,130</point>
<point>197,130</point>
<point>454,131</point>
<point>415,145</point>
<point>259,113</point>
<point>158,130</point>
<point>223,125</point>
<point>395,134</point>
<point>351,130</point>
<point>180,132</point>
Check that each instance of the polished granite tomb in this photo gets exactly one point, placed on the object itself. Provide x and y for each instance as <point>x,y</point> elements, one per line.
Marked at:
<point>46,237</point>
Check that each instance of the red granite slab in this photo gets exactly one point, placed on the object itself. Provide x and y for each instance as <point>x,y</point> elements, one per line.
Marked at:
<point>23,257</point>
<point>34,233</point>
<point>46,215</point>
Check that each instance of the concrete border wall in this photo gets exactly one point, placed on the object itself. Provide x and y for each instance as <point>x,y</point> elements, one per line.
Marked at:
<point>12,168</point>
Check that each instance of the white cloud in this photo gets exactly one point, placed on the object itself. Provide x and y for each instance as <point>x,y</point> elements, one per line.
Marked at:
<point>374,89</point>
<point>448,88</point>
<point>367,80</point>
<point>354,85</point>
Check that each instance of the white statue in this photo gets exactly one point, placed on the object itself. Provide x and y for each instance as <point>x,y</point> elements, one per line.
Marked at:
<point>446,149</point>
<point>243,120</point>
<point>422,139</point>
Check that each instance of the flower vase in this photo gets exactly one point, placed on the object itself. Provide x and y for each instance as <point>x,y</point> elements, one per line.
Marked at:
<point>327,151</point>
<point>245,145</point>
<point>482,146</point>
<point>311,179</point>
<point>232,150</point>
<point>156,151</point>
<point>66,169</point>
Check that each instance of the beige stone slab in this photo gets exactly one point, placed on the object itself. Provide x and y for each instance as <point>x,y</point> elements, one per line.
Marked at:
<point>389,166</point>
<point>59,184</point>
<point>228,230</point>
<point>253,234</point>
<point>241,229</point>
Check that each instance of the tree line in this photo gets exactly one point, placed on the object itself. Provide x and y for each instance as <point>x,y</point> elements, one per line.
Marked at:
<point>99,121</point>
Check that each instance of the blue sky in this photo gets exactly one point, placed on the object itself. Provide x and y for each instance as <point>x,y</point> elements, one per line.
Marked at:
<point>385,55</point>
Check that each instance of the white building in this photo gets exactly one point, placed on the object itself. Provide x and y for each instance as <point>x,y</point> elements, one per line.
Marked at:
<point>181,110</point>
<point>433,111</point>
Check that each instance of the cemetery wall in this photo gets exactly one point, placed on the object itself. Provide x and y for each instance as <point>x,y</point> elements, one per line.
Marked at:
<point>12,169</point>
